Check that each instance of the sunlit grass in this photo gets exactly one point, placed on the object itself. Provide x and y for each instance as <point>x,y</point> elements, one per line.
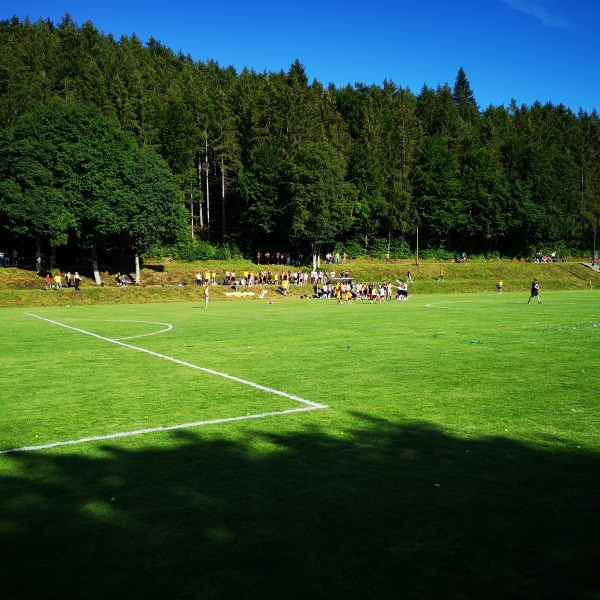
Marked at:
<point>459,427</point>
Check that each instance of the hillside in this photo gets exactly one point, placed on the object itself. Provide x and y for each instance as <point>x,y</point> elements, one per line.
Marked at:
<point>160,281</point>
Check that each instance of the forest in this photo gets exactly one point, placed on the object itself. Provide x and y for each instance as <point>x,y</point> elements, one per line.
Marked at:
<point>120,147</point>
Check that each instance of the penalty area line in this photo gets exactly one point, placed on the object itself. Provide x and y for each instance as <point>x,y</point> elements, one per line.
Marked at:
<point>258,386</point>
<point>122,434</point>
<point>309,405</point>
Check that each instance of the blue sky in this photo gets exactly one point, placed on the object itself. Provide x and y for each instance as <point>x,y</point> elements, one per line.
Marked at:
<point>546,50</point>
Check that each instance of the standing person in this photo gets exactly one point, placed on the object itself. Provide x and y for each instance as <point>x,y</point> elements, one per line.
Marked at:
<point>48,281</point>
<point>409,277</point>
<point>15,258</point>
<point>535,292</point>
<point>206,296</point>
<point>58,281</point>
<point>77,280</point>
<point>388,289</point>
<point>441,277</point>
<point>500,286</point>
<point>69,279</point>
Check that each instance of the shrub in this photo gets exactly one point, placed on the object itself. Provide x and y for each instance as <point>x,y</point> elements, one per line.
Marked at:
<point>353,250</point>
<point>436,254</point>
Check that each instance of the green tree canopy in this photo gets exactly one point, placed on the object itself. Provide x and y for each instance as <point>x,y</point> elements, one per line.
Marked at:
<point>69,173</point>
<point>322,198</point>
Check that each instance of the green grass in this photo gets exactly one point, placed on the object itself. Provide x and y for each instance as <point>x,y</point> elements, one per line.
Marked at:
<point>25,288</point>
<point>458,457</point>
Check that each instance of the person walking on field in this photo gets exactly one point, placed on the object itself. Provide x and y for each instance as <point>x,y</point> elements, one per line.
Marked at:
<point>535,292</point>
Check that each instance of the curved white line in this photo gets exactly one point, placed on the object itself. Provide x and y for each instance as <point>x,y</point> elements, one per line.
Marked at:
<point>131,337</point>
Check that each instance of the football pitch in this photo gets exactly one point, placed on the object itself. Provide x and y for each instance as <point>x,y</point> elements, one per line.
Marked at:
<point>446,446</point>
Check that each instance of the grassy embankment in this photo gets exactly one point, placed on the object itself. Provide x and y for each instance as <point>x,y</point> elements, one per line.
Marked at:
<point>19,287</point>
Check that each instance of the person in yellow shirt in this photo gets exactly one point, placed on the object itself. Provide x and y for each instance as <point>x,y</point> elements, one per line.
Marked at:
<point>58,281</point>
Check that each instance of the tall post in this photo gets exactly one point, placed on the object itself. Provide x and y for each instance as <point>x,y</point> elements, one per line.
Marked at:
<point>207,189</point>
<point>192,207</point>
<point>223,193</point>
<point>417,263</point>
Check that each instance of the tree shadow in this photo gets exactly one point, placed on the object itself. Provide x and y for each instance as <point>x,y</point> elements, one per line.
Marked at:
<point>385,510</point>
<point>155,268</point>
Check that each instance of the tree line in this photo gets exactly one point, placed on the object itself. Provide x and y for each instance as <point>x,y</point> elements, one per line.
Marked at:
<point>120,146</point>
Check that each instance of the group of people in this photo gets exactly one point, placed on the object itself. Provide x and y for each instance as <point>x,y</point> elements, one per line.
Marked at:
<point>540,258</point>
<point>334,258</point>
<point>248,278</point>
<point>277,258</point>
<point>325,284</point>
<point>281,258</point>
<point>5,259</point>
<point>56,281</point>
<point>122,280</point>
<point>348,291</point>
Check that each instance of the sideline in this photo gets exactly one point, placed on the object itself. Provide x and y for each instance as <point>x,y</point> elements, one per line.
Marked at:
<point>309,405</point>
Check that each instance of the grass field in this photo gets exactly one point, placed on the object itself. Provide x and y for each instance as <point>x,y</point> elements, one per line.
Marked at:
<point>444,447</point>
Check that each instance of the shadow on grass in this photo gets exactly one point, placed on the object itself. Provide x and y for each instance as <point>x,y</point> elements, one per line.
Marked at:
<point>387,510</point>
<point>155,268</point>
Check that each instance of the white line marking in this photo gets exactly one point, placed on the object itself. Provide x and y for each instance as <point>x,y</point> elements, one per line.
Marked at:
<point>184,363</point>
<point>310,405</point>
<point>168,326</point>
<point>131,337</point>
<point>111,436</point>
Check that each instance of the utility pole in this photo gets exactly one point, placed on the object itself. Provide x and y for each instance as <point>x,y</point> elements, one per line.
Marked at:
<point>417,263</point>
<point>207,189</point>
